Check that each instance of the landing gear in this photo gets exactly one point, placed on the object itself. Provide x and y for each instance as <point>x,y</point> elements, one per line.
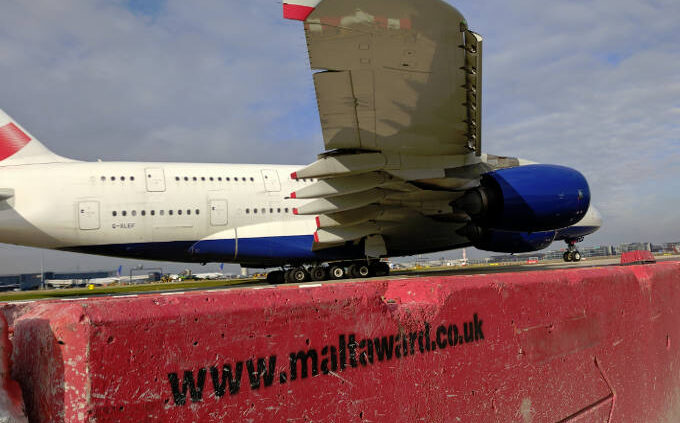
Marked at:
<point>359,270</point>
<point>318,273</point>
<point>298,275</point>
<point>334,271</point>
<point>380,268</point>
<point>572,254</point>
<point>276,277</point>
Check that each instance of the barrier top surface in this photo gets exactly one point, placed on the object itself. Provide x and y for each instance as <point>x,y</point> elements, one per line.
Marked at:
<point>534,346</point>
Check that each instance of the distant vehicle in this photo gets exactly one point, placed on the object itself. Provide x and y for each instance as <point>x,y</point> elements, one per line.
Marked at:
<point>402,174</point>
<point>532,260</point>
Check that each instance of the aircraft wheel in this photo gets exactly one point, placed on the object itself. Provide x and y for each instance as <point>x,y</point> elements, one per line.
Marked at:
<point>567,256</point>
<point>276,277</point>
<point>318,273</point>
<point>286,276</point>
<point>298,275</point>
<point>576,256</point>
<point>359,270</point>
<point>336,272</point>
<point>380,269</point>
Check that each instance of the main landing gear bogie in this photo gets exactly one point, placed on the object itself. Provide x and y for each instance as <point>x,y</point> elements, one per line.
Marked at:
<point>334,271</point>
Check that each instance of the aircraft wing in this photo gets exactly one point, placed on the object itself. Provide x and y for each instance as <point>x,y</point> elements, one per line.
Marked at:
<point>399,76</point>
<point>399,96</point>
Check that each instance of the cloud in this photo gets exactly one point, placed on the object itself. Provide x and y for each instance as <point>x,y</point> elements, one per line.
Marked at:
<point>589,84</point>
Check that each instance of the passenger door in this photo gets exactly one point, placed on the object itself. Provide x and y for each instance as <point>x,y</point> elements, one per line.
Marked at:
<point>155,180</point>
<point>88,215</point>
<point>271,180</point>
<point>218,212</point>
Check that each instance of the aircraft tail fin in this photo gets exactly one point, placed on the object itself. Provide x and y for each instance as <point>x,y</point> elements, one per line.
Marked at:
<point>18,147</point>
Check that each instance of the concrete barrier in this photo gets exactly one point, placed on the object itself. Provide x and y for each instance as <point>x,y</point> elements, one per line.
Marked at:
<point>599,344</point>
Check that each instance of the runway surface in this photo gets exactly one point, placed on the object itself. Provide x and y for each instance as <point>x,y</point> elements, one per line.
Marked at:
<point>168,289</point>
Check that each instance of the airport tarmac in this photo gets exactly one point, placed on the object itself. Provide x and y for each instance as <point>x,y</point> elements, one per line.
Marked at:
<point>261,284</point>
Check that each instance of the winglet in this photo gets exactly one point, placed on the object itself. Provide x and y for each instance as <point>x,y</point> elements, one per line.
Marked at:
<point>299,10</point>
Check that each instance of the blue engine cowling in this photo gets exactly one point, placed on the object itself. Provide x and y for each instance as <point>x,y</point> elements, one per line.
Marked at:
<point>530,198</point>
<point>509,242</point>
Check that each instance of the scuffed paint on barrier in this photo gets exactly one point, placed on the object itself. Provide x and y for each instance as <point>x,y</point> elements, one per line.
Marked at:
<point>11,403</point>
<point>570,345</point>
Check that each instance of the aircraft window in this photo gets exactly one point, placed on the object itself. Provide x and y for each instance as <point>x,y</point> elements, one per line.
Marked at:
<point>143,212</point>
<point>254,210</point>
<point>153,212</point>
<point>161,212</point>
<point>176,178</point>
<point>113,178</point>
<point>133,212</point>
<point>243,179</point>
<point>198,211</point>
<point>247,211</point>
<point>271,210</point>
<point>219,179</point>
<point>212,179</point>
<point>124,213</point>
<point>227,179</point>
<point>286,209</point>
<point>114,213</point>
<point>122,178</point>
<point>186,178</point>
<point>194,178</point>
<point>132,178</point>
<point>170,212</point>
<point>103,178</point>
<point>252,179</point>
<point>179,212</point>
<point>188,211</point>
<point>278,210</point>
<point>202,178</point>
<point>264,211</point>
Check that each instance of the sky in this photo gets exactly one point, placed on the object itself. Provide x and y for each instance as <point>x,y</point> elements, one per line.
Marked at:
<point>591,84</point>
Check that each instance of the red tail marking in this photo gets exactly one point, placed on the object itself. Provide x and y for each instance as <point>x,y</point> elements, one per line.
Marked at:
<point>12,139</point>
<point>296,12</point>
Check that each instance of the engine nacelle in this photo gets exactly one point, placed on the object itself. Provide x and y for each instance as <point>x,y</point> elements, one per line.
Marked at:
<point>508,242</point>
<point>530,198</point>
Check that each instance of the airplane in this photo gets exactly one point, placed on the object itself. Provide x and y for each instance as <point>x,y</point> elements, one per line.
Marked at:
<point>399,90</point>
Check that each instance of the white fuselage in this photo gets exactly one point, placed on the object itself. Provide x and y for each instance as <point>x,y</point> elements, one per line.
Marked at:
<point>66,205</point>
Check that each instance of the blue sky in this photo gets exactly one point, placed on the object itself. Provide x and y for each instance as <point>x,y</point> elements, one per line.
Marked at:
<point>592,84</point>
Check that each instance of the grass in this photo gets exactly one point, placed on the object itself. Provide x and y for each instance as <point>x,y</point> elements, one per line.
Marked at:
<point>117,289</point>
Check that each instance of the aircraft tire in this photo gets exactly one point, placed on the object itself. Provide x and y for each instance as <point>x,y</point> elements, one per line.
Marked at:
<point>360,270</point>
<point>286,276</point>
<point>380,269</point>
<point>576,256</point>
<point>299,275</point>
<point>336,272</point>
<point>276,277</point>
<point>318,273</point>
<point>567,256</point>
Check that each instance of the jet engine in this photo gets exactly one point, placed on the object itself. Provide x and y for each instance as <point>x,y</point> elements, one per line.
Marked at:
<point>528,199</point>
<point>508,242</point>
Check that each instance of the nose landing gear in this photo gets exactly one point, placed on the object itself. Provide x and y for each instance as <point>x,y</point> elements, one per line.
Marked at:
<point>572,254</point>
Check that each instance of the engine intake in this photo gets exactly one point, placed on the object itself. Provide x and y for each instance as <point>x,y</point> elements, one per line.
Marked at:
<point>528,198</point>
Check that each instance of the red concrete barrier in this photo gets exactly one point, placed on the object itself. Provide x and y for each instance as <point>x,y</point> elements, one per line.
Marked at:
<point>638,257</point>
<point>585,345</point>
